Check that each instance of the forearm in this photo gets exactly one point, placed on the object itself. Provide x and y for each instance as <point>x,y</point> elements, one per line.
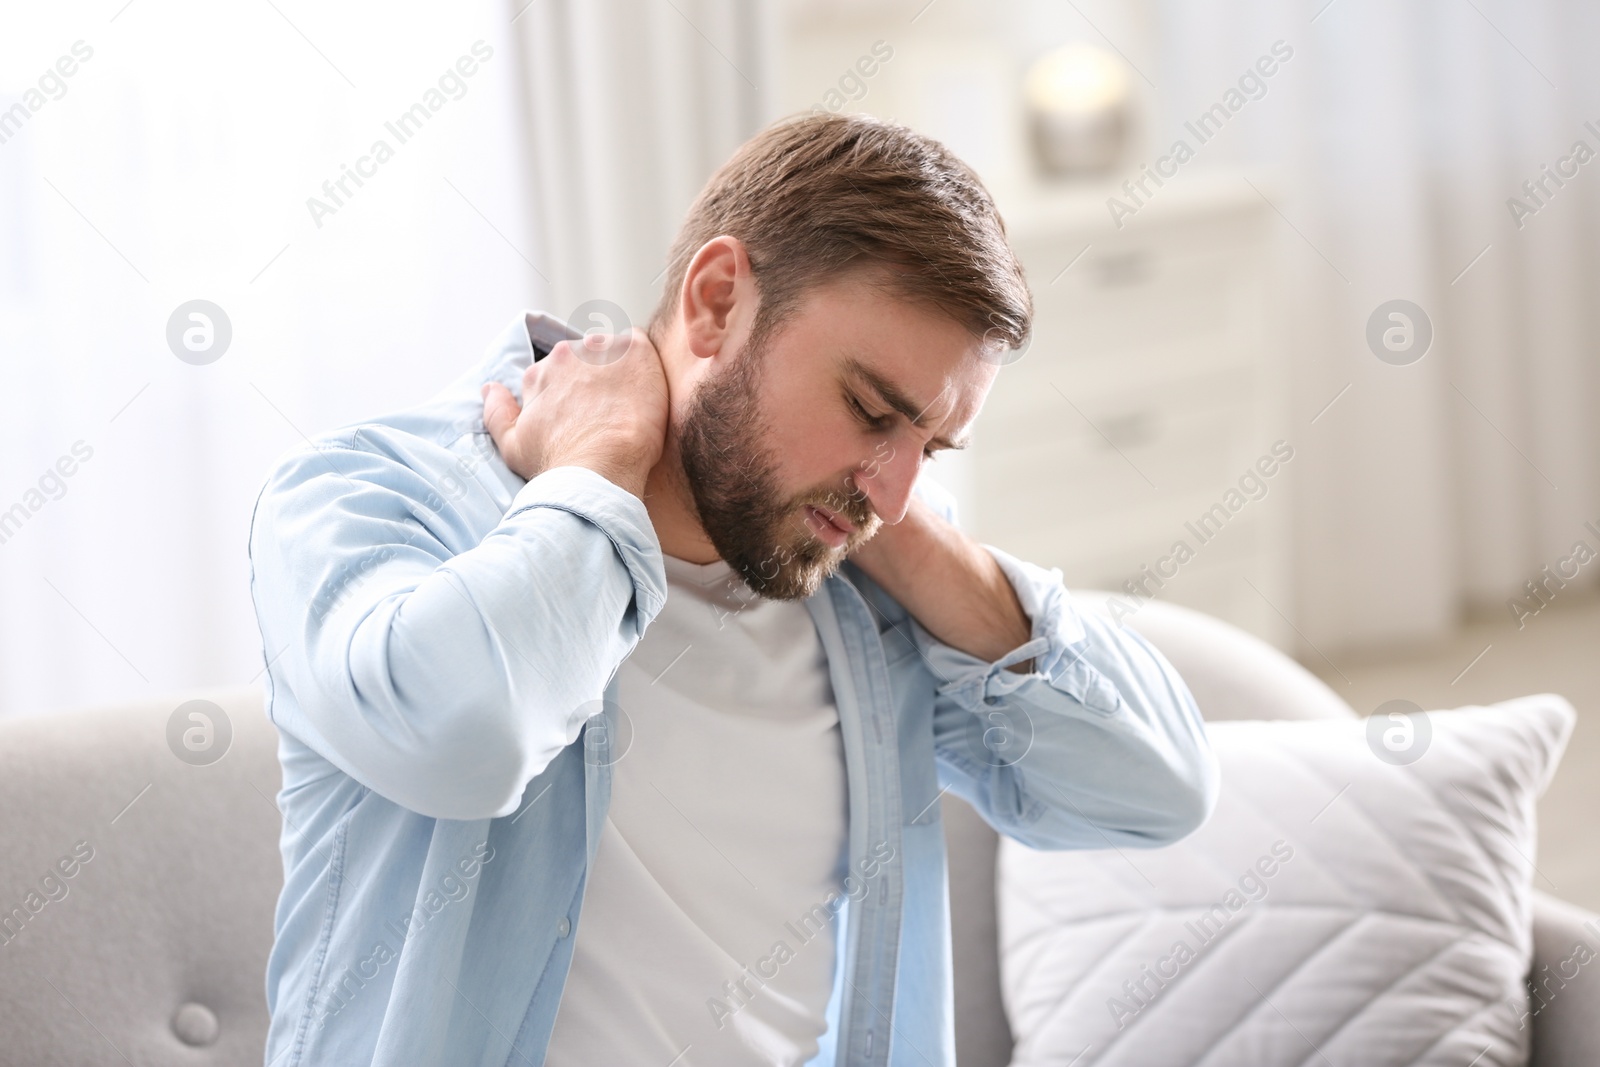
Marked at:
<point>1102,743</point>
<point>951,584</point>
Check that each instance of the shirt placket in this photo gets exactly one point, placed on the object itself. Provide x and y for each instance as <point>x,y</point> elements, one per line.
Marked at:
<point>864,701</point>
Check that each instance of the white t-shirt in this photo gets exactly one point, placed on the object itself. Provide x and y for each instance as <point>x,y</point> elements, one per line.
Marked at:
<point>700,936</point>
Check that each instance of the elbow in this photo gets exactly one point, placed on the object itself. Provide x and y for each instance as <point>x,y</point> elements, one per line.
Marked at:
<point>460,741</point>
<point>1170,803</point>
<point>1188,802</point>
<point>1186,762</point>
<point>482,781</point>
<point>1178,796</point>
<point>482,771</point>
<point>470,761</point>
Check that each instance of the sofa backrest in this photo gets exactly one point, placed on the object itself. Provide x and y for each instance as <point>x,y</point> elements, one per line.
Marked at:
<point>137,885</point>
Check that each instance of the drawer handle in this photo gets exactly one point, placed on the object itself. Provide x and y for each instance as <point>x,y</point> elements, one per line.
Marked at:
<point>1124,268</point>
<point>1131,430</point>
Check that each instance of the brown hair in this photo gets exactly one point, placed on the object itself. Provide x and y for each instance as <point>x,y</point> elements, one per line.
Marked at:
<point>819,194</point>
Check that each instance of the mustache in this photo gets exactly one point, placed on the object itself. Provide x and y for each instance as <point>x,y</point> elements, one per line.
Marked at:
<point>852,506</point>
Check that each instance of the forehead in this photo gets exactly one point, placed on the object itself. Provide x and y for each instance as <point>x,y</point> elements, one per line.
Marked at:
<point>867,336</point>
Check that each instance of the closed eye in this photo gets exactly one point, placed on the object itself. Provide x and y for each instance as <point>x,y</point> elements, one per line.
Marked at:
<point>882,422</point>
<point>877,422</point>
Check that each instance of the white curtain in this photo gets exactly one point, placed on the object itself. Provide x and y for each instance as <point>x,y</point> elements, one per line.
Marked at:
<point>1390,145</point>
<point>176,165</point>
<point>633,104</point>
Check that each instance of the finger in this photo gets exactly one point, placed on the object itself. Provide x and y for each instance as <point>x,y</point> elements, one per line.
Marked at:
<point>500,411</point>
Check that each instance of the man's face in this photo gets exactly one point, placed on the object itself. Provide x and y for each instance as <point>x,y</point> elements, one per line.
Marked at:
<point>798,453</point>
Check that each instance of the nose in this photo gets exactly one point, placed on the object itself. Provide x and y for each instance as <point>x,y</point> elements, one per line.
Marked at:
<point>886,481</point>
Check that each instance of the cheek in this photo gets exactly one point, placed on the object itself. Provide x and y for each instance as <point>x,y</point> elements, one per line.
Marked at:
<point>814,445</point>
<point>817,454</point>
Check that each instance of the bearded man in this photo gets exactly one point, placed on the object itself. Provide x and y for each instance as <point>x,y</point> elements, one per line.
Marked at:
<point>665,630</point>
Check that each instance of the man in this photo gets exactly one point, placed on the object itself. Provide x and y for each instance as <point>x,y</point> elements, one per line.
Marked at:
<point>663,631</point>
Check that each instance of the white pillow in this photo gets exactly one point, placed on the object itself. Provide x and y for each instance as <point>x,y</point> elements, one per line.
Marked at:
<point>1342,906</point>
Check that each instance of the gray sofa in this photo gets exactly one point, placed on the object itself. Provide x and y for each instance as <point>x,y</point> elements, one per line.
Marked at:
<point>137,888</point>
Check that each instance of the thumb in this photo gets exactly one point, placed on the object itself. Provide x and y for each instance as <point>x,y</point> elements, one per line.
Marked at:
<point>500,411</point>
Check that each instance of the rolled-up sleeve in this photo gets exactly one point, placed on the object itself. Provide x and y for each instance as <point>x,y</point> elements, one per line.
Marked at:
<point>1099,745</point>
<point>445,670</point>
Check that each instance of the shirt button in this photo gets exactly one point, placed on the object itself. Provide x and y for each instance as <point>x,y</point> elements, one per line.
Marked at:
<point>564,927</point>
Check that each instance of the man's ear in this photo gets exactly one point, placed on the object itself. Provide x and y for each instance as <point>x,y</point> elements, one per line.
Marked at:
<point>718,301</point>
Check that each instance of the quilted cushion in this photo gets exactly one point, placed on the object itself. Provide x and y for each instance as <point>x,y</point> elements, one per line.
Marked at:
<point>1347,904</point>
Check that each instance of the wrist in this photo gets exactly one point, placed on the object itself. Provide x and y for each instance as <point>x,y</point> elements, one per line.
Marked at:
<point>621,474</point>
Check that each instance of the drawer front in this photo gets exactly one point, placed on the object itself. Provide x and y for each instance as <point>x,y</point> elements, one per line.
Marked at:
<point>1128,307</point>
<point>1054,454</point>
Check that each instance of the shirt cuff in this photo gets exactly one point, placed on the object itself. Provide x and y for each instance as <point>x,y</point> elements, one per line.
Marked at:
<point>1058,645</point>
<point>618,514</point>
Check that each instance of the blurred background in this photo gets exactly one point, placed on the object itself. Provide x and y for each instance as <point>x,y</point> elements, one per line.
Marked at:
<point>1314,287</point>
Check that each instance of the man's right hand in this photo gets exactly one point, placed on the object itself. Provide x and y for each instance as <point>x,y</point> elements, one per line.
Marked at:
<point>593,409</point>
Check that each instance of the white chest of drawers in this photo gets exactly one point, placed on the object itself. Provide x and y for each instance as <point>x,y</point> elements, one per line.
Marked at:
<point>1148,391</point>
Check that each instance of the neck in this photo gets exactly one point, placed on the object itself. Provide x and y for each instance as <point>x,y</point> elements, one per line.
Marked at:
<point>672,512</point>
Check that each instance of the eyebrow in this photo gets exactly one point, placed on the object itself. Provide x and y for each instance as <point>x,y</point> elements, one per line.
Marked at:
<point>890,394</point>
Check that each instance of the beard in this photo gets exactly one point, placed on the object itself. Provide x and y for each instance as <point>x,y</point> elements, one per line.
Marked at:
<point>732,479</point>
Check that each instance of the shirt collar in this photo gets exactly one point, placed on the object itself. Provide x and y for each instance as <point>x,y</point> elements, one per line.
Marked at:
<point>512,350</point>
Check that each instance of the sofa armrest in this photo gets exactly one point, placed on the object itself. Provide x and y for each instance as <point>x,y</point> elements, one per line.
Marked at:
<point>1565,980</point>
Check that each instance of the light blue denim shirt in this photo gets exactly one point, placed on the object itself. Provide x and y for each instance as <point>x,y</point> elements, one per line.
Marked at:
<point>442,640</point>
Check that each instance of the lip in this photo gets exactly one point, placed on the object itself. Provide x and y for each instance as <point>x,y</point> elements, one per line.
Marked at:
<point>836,519</point>
<point>831,528</point>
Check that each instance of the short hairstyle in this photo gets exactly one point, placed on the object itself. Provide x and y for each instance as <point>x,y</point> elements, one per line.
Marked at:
<point>818,195</point>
